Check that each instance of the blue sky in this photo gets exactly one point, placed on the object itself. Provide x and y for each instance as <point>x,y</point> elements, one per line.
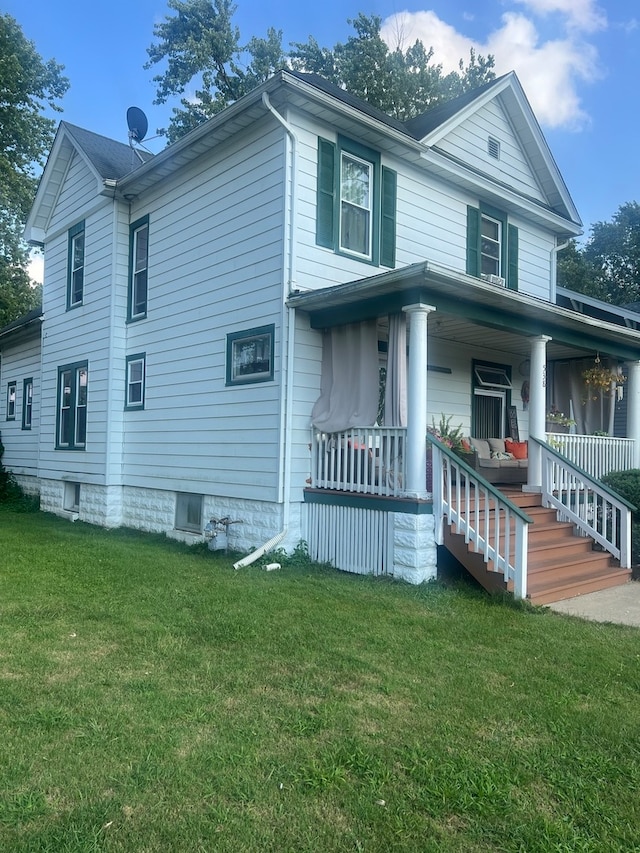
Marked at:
<point>577,61</point>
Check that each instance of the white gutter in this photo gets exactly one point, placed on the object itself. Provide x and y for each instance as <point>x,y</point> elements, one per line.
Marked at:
<point>553,269</point>
<point>288,322</point>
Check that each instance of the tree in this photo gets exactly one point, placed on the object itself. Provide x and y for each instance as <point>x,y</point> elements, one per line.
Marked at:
<point>608,267</point>
<point>613,250</point>
<point>401,82</point>
<point>28,85</point>
<point>201,43</point>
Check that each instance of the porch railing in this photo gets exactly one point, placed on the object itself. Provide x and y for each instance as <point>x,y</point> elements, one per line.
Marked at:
<point>490,522</point>
<point>367,460</point>
<point>596,454</point>
<point>579,497</point>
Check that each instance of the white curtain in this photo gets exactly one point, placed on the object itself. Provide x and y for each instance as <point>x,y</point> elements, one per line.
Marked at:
<point>395,393</point>
<point>349,382</point>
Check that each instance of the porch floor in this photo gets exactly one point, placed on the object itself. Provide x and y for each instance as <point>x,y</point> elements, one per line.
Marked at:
<point>561,564</point>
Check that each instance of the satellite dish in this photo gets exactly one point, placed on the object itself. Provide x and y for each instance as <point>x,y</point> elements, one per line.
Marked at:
<point>138,124</point>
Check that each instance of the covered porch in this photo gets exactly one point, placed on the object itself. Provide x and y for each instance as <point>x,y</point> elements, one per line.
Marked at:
<point>456,324</point>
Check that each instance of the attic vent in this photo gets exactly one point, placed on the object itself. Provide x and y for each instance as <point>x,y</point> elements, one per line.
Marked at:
<point>493,148</point>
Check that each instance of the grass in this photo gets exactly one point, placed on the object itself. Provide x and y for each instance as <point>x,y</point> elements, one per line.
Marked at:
<point>153,699</point>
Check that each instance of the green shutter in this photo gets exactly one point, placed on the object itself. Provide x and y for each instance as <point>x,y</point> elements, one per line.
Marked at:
<point>473,241</point>
<point>326,193</point>
<point>388,218</point>
<point>512,257</point>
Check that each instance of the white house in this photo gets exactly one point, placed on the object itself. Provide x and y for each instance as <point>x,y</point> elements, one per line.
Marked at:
<point>215,319</point>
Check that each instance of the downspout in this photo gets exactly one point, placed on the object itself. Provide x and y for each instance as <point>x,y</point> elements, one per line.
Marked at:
<point>553,266</point>
<point>288,321</point>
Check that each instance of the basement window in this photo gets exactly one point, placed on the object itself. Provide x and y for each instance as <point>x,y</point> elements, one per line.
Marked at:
<point>493,148</point>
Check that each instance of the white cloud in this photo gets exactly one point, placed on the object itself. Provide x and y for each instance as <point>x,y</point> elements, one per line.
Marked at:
<point>549,71</point>
<point>582,15</point>
<point>36,267</point>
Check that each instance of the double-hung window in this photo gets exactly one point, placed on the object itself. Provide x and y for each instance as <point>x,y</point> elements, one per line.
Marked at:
<point>138,268</point>
<point>136,370</point>
<point>75,266</point>
<point>356,202</point>
<point>71,422</point>
<point>11,401</point>
<point>27,403</point>
<point>492,246</point>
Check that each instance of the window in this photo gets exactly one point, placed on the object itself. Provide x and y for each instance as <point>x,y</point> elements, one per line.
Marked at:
<point>71,499</point>
<point>27,403</point>
<point>75,267</point>
<point>11,401</point>
<point>136,373</point>
<point>71,426</point>
<point>189,512</point>
<point>250,356</point>
<point>138,268</point>
<point>356,202</point>
<point>492,246</point>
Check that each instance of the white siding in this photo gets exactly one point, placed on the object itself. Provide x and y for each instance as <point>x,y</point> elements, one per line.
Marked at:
<point>20,361</point>
<point>431,223</point>
<point>468,143</point>
<point>77,193</point>
<point>215,267</point>
<point>81,334</point>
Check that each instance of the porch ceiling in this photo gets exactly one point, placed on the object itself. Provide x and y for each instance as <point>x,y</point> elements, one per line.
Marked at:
<point>470,311</point>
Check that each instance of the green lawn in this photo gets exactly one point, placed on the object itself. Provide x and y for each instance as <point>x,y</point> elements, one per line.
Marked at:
<point>154,699</point>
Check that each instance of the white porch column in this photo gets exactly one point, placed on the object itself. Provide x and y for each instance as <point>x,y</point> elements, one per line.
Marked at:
<point>537,409</point>
<point>416,450</point>
<point>632,393</point>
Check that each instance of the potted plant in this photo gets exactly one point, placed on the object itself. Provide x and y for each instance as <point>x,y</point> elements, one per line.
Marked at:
<point>452,437</point>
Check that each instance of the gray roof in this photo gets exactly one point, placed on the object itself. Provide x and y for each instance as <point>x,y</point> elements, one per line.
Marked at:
<point>423,124</point>
<point>111,159</point>
<point>22,322</point>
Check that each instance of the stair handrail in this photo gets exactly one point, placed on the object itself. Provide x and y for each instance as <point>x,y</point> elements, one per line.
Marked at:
<point>574,486</point>
<point>475,530</point>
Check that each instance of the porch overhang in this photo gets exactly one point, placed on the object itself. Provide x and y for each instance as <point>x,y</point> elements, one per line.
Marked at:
<point>517,316</point>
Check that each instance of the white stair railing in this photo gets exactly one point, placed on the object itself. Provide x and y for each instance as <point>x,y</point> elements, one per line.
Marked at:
<point>596,510</point>
<point>489,521</point>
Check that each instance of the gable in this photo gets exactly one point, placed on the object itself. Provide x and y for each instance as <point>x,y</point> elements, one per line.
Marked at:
<point>457,137</point>
<point>75,193</point>
<point>487,143</point>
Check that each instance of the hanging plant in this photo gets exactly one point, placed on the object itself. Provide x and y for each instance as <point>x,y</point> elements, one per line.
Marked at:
<point>600,380</point>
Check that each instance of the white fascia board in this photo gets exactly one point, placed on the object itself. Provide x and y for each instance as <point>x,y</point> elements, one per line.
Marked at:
<point>53,177</point>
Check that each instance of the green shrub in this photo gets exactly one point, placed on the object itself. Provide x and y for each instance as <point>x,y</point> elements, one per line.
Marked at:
<point>11,495</point>
<point>627,485</point>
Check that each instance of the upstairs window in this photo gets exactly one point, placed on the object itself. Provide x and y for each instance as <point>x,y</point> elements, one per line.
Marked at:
<point>356,202</point>
<point>492,246</point>
<point>135,381</point>
<point>75,266</point>
<point>71,426</point>
<point>27,403</point>
<point>138,268</point>
<point>11,401</point>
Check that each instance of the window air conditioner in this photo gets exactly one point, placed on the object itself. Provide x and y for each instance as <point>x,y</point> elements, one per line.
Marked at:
<point>497,280</point>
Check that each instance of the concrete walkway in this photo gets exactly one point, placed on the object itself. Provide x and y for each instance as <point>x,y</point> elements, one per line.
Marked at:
<point>620,604</point>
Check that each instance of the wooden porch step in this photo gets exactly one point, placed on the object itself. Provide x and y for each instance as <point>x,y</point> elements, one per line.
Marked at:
<point>580,586</point>
<point>561,564</point>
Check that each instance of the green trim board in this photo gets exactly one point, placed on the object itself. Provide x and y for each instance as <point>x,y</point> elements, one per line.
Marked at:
<point>487,315</point>
<point>410,506</point>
